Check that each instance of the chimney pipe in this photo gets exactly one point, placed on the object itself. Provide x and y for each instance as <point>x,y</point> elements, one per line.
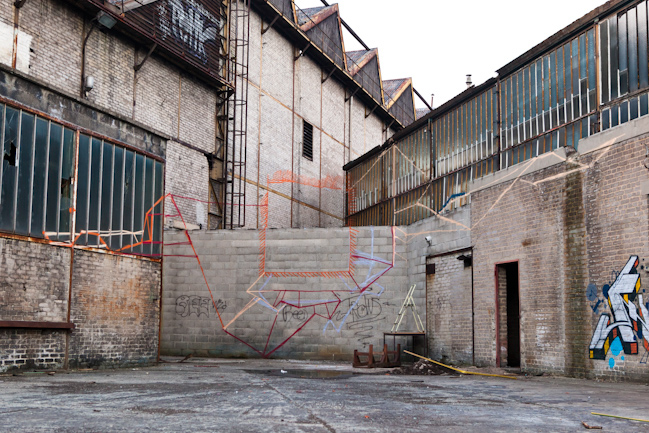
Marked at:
<point>432,99</point>
<point>468,81</point>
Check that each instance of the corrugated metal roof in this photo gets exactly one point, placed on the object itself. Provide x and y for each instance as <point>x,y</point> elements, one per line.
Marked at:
<point>357,59</point>
<point>421,112</point>
<point>392,89</point>
<point>311,17</point>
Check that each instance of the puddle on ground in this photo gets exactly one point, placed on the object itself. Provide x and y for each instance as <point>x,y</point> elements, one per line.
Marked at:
<point>305,374</point>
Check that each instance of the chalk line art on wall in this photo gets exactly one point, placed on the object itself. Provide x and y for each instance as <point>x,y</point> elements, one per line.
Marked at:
<point>342,299</point>
<point>268,292</point>
<point>627,325</point>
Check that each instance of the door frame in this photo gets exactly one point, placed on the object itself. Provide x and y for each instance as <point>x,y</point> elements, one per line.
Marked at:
<point>497,310</point>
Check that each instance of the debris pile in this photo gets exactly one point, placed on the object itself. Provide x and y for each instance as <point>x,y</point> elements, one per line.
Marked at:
<point>425,368</point>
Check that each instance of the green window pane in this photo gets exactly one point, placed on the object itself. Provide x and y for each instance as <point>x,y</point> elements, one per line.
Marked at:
<point>41,156</point>
<point>94,212</point>
<point>53,180</point>
<point>25,167</point>
<point>9,169</point>
<point>67,173</point>
<point>83,189</point>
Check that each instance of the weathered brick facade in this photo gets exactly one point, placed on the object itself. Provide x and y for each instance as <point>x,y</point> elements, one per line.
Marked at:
<point>283,94</point>
<point>115,307</point>
<point>572,228</point>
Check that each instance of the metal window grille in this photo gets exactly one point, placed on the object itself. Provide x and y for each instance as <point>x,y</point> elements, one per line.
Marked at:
<point>307,141</point>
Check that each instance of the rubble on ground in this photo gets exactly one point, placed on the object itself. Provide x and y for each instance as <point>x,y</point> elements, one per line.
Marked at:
<point>425,368</point>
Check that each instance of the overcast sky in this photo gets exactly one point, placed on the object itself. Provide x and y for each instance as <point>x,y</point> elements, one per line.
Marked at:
<point>438,42</point>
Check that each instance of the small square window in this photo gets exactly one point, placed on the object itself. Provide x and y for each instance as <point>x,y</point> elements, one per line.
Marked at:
<point>307,141</point>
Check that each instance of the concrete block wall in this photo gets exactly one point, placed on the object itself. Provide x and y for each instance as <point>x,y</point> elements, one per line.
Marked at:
<point>231,264</point>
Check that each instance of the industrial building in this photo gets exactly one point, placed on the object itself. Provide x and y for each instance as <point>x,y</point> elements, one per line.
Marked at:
<point>518,210</point>
<point>137,134</point>
<point>540,178</point>
<point>121,119</point>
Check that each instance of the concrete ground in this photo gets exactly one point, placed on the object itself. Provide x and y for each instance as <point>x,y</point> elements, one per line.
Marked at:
<point>206,395</point>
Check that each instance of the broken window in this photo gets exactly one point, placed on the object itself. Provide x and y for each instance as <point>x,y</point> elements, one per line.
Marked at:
<point>116,187</point>
<point>35,175</point>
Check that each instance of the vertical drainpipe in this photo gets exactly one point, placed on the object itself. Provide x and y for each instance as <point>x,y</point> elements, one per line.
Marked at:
<point>320,157</point>
<point>472,312</point>
<point>498,123</point>
<point>433,157</point>
<point>14,52</point>
<point>292,138</point>
<point>394,184</point>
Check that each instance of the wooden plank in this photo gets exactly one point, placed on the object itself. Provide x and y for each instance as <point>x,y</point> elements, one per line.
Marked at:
<point>36,325</point>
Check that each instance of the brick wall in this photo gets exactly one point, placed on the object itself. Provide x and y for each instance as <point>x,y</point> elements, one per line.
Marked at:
<point>283,94</point>
<point>449,309</point>
<point>572,226</point>
<point>34,281</point>
<point>115,307</point>
<point>32,349</point>
<point>57,38</point>
<point>34,286</point>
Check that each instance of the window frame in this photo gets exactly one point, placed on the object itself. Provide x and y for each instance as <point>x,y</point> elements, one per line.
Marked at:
<point>76,132</point>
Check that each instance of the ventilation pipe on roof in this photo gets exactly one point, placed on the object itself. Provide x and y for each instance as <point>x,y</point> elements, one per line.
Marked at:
<point>468,81</point>
<point>432,100</point>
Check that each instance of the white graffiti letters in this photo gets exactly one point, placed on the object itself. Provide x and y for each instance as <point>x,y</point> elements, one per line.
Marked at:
<point>627,323</point>
<point>190,23</point>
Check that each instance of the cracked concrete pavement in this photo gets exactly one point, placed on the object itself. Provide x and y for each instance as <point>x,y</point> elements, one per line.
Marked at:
<point>207,395</point>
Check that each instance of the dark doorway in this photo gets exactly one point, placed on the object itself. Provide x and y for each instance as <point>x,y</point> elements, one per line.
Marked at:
<point>509,336</point>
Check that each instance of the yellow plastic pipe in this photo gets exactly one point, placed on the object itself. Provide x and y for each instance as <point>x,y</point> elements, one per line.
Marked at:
<point>621,417</point>
<point>458,370</point>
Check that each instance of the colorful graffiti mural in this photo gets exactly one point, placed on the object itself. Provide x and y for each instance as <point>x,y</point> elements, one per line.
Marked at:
<point>627,325</point>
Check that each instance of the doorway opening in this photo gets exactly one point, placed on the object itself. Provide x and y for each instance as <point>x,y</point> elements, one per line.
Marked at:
<point>508,333</point>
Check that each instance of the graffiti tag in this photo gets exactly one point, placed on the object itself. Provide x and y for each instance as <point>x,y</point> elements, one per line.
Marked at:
<point>628,323</point>
<point>189,23</point>
<point>200,306</point>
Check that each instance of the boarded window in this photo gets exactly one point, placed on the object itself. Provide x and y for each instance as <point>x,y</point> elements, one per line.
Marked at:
<point>307,141</point>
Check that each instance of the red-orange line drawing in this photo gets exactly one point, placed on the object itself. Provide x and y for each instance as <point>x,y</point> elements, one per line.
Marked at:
<point>287,176</point>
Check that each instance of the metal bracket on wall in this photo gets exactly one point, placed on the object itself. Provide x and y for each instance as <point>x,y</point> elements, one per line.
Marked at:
<point>353,94</point>
<point>372,111</point>
<point>302,52</point>
<point>389,126</point>
<point>138,66</point>
<point>328,76</point>
<point>272,23</point>
<point>19,3</point>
